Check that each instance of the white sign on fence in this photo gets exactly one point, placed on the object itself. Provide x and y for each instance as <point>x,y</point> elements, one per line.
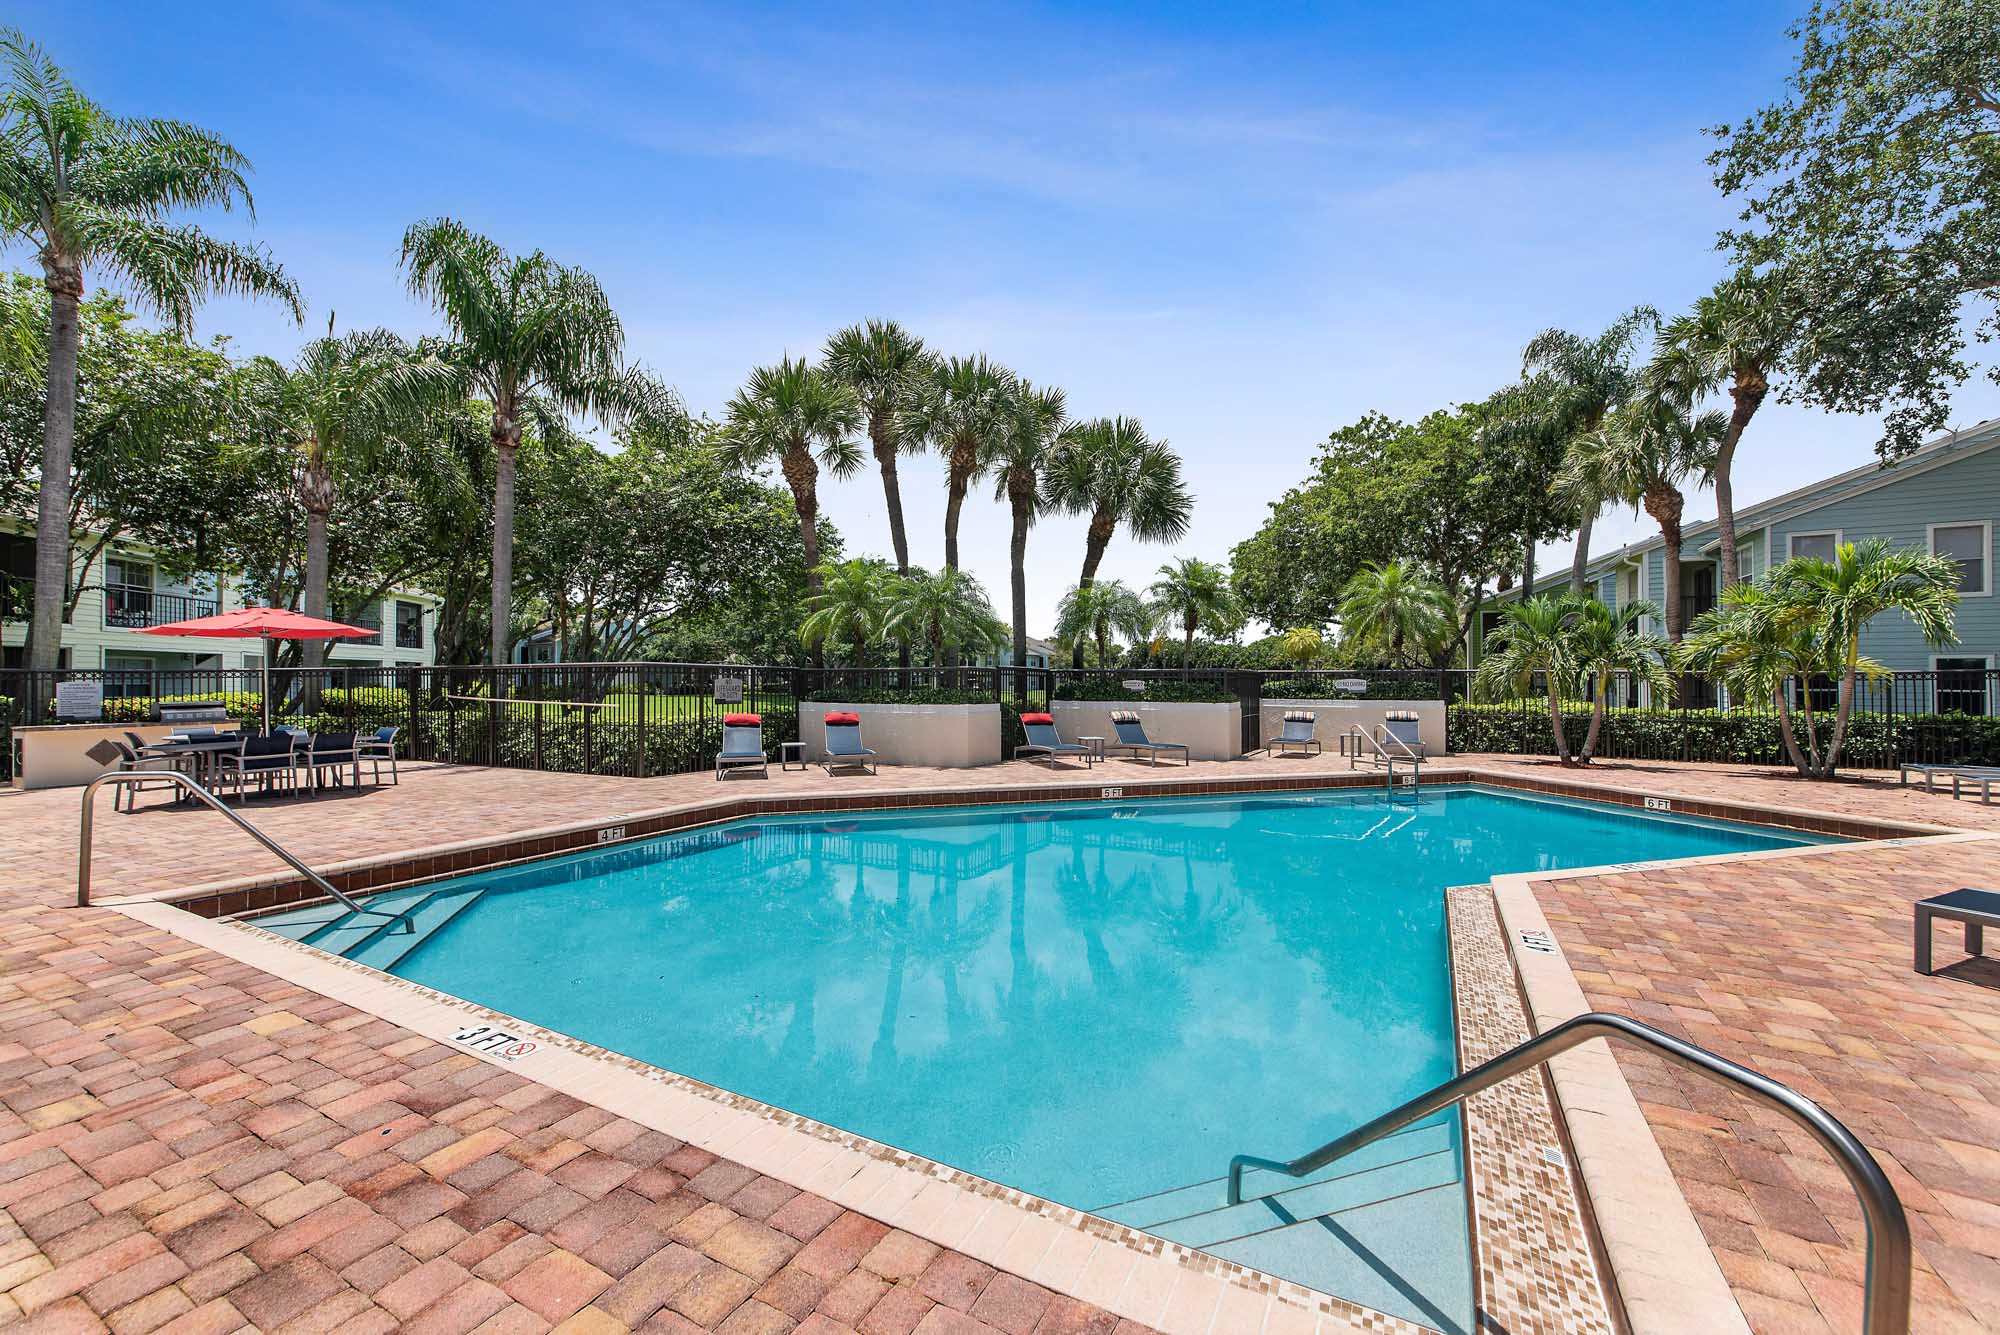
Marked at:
<point>1133,684</point>
<point>80,700</point>
<point>729,690</point>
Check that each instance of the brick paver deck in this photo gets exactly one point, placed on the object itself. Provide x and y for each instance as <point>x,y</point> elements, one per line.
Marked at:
<point>189,1143</point>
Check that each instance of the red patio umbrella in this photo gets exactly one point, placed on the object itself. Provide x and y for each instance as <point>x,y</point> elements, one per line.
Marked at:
<point>262,623</point>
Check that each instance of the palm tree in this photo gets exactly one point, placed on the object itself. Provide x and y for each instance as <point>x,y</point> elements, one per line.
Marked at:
<point>946,608</point>
<point>804,419</point>
<point>1734,335</point>
<point>1302,646</point>
<point>1035,420</point>
<point>1840,597</point>
<point>536,340</point>
<point>1193,593</point>
<point>1756,648</point>
<point>1606,643</point>
<point>851,602</point>
<point>347,396</point>
<point>1533,636</point>
<point>1577,383</point>
<point>1395,605</point>
<point>86,189</point>
<point>1096,612</point>
<point>1641,456</point>
<point>960,408</point>
<point>884,365</point>
<point>1112,471</point>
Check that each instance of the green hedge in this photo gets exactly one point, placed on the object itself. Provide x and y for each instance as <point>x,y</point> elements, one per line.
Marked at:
<point>243,706</point>
<point>1424,687</point>
<point>913,695</point>
<point>1159,690</point>
<point>1737,736</point>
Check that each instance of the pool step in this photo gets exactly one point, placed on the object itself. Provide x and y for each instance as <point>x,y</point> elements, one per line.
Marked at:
<point>392,944</point>
<point>1365,1229</point>
<point>370,938</point>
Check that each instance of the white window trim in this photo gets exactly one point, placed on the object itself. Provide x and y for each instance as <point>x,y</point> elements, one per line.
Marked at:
<point>1836,534</point>
<point>1985,528</point>
<point>1984,658</point>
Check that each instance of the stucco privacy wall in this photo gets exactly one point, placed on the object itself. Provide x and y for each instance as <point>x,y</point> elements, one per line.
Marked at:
<point>944,736</point>
<point>1210,731</point>
<point>1337,717</point>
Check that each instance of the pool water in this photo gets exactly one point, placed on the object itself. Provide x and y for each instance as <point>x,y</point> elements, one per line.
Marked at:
<point>1096,1003</point>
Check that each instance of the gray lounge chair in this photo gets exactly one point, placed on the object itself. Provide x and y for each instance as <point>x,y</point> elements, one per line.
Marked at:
<point>742,745</point>
<point>843,744</point>
<point>1402,725</point>
<point>1046,742</point>
<point>1985,776</point>
<point>1132,737</point>
<point>1297,731</point>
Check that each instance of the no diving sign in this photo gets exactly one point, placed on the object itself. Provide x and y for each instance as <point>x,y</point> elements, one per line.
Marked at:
<point>484,1038</point>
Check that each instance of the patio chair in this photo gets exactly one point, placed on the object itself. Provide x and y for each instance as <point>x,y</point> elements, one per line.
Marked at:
<point>742,745</point>
<point>843,744</point>
<point>382,746</point>
<point>132,761</point>
<point>1401,725</point>
<point>266,760</point>
<point>331,751</point>
<point>1297,730</point>
<point>1132,737</point>
<point>1046,742</point>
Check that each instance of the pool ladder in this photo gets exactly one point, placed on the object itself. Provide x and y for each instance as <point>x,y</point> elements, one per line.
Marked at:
<point>1378,744</point>
<point>1886,1300</point>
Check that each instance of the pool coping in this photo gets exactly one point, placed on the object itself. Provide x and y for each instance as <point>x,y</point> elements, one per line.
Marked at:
<point>1661,1268</point>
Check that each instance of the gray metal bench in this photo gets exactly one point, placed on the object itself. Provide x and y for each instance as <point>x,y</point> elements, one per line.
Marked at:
<point>1977,909</point>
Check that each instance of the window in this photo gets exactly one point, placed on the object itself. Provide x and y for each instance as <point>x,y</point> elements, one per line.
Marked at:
<point>1819,546</point>
<point>1961,686</point>
<point>409,625</point>
<point>128,593</point>
<point>1965,544</point>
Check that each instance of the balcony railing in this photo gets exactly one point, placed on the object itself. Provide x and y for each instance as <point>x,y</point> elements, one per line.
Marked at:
<point>17,597</point>
<point>1693,605</point>
<point>129,608</point>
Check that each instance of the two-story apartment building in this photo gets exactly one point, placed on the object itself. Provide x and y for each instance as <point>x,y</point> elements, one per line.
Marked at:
<point>1945,498</point>
<point>126,591</point>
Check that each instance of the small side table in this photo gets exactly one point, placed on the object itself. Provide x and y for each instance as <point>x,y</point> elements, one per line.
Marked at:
<point>792,751</point>
<point>1976,909</point>
<point>1096,745</point>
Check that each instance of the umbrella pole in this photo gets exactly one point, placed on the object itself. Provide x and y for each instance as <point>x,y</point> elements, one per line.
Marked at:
<point>267,685</point>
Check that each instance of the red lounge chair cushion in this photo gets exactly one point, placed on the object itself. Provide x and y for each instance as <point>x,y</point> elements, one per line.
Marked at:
<point>742,720</point>
<point>843,720</point>
<point>1037,718</point>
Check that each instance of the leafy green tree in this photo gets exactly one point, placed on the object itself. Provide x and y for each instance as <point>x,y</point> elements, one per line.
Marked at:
<point>153,417</point>
<point>1398,607</point>
<point>1734,336</point>
<point>1756,647</point>
<point>1871,193</point>
<point>1535,637</point>
<point>1111,470</point>
<point>1838,599</point>
<point>1302,646</point>
<point>851,604</point>
<point>943,609</point>
<point>1035,420</point>
<point>84,189</point>
<point>1573,383</point>
<point>1642,457</point>
<point>1607,644</point>
<point>885,365</point>
<point>960,409</point>
<point>1097,611</point>
<point>539,342</point>
<point>801,418</point>
<point>357,393</point>
<point>1195,595</point>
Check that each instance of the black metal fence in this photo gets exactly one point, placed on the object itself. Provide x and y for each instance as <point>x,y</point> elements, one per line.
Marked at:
<point>639,719</point>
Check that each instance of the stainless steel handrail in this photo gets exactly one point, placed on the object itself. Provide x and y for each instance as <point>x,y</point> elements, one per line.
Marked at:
<point>196,790</point>
<point>1887,1297</point>
<point>1361,734</point>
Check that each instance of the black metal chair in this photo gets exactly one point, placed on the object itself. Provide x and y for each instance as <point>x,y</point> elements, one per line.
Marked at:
<point>132,761</point>
<point>331,751</point>
<point>267,760</point>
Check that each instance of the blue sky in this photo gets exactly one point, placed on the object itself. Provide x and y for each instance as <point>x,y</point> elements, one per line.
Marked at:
<point>1244,226</point>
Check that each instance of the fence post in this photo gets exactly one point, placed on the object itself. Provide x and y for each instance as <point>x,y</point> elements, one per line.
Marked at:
<point>411,683</point>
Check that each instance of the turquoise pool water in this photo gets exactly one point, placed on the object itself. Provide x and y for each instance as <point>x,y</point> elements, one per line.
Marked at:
<point>1098,1003</point>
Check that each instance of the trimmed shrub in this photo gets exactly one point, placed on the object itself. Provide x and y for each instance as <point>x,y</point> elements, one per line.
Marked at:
<point>1159,690</point>
<point>243,706</point>
<point>1748,737</point>
<point>914,695</point>
<point>1416,686</point>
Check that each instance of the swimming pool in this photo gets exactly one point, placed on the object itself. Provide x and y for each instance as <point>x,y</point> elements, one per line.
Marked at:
<point>1097,1003</point>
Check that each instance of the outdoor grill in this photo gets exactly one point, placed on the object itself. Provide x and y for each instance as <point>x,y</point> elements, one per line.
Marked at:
<point>181,713</point>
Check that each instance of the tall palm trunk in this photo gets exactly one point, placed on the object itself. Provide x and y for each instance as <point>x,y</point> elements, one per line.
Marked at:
<point>506,444</point>
<point>964,460</point>
<point>882,432</point>
<point>1598,700</point>
<point>1846,710</point>
<point>316,497</point>
<point>1665,504</point>
<point>802,476</point>
<point>1528,571</point>
<point>65,285</point>
<point>1581,557</point>
<point>1785,733</point>
<point>1187,648</point>
<point>1103,523</point>
<point>1556,721</point>
<point>1021,494</point>
<point>1747,393</point>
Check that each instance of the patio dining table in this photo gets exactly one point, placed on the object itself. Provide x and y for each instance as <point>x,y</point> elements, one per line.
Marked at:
<point>201,753</point>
